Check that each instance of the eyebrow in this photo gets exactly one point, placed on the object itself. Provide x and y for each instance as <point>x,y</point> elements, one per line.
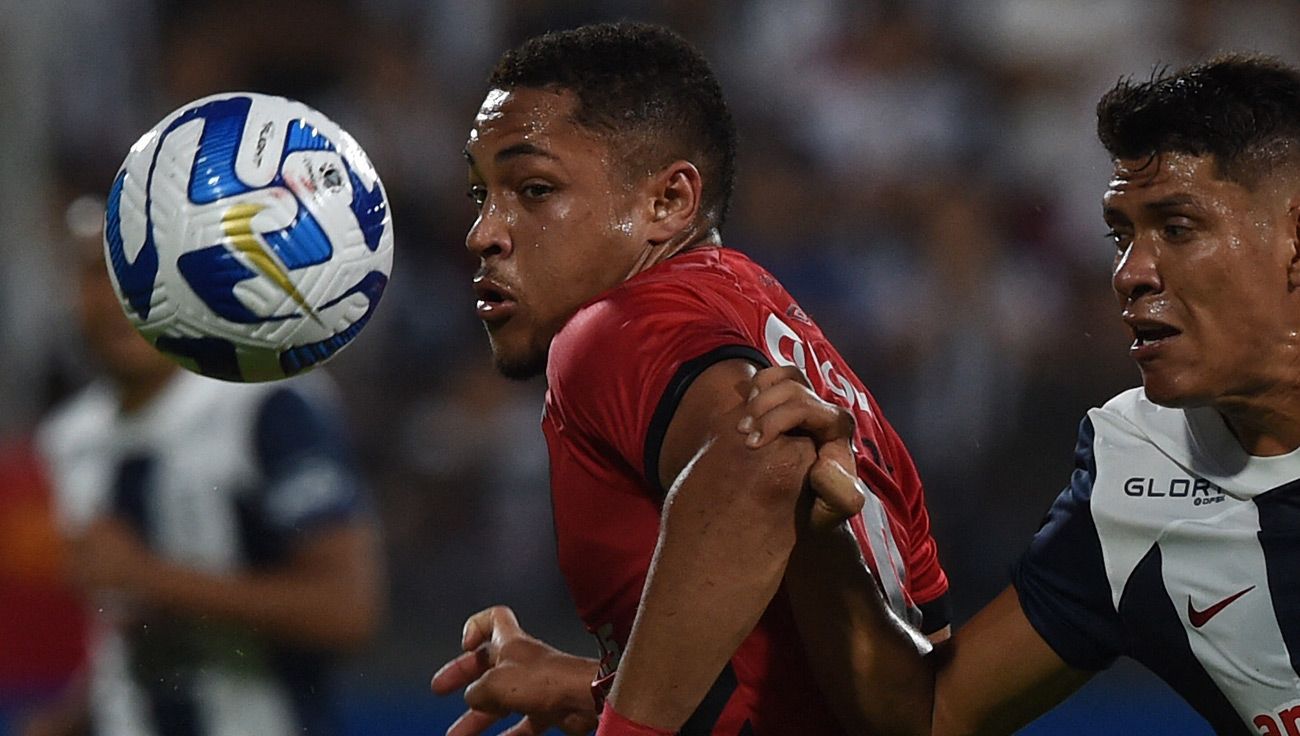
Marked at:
<point>518,150</point>
<point>1173,201</point>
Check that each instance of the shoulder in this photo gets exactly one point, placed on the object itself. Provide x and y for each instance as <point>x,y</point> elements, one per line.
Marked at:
<point>1130,428</point>
<point>1132,412</point>
<point>619,368</point>
<point>314,391</point>
<point>635,304</point>
<point>87,414</point>
<point>301,411</point>
<point>665,309</point>
<point>245,422</point>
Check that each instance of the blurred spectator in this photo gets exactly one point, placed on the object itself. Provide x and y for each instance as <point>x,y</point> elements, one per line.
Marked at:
<point>219,531</point>
<point>921,174</point>
<point>42,627</point>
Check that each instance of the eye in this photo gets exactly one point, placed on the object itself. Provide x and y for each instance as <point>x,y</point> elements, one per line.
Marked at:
<point>535,191</point>
<point>477,194</point>
<point>1120,239</point>
<point>1175,231</point>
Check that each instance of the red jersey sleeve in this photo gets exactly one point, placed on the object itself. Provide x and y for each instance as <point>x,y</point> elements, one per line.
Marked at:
<point>618,369</point>
<point>927,580</point>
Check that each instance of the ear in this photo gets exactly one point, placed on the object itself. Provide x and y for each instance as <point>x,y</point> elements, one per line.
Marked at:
<point>675,201</point>
<point>1293,230</point>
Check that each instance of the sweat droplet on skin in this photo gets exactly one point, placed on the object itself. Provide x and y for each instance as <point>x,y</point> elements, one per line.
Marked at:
<point>490,109</point>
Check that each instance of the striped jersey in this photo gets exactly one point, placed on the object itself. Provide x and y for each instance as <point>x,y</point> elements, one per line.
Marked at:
<point>1173,546</point>
<point>221,477</point>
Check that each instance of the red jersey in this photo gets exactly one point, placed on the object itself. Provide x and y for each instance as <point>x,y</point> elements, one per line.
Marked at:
<point>615,375</point>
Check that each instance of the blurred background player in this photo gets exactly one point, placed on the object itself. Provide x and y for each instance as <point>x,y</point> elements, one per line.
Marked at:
<point>220,533</point>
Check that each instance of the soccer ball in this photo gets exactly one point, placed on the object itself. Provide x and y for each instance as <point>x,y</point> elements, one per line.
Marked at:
<point>248,237</point>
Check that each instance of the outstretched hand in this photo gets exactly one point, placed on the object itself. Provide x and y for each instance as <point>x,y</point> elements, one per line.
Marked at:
<point>781,402</point>
<point>504,670</point>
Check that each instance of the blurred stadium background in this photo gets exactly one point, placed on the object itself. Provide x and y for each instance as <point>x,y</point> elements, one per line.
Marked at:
<point>921,174</point>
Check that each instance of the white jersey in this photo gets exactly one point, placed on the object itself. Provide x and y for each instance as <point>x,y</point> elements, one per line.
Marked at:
<point>1175,547</point>
<point>220,477</point>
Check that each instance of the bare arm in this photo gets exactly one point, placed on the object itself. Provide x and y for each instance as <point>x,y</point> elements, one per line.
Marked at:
<point>328,594</point>
<point>727,531</point>
<point>993,676</point>
<point>865,659</point>
<point>997,673</point>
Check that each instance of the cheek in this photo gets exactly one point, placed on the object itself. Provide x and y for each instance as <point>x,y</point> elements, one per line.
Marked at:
<point>1242,311</point>
<point>561,226</point>
<point>622,225</point>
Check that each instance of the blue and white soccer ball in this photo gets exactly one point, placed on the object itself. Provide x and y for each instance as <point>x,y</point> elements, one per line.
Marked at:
<point>248,237</point>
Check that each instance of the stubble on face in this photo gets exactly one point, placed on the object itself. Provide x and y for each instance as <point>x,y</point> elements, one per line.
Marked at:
<point>520,367</point>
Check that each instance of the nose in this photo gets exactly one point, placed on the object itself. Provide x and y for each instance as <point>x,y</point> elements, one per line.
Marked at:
<point>489,236</point>
<point>1137,271</point>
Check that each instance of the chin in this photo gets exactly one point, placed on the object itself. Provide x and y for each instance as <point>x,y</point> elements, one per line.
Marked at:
<point>519,365</point>
<point>1170,394</point>
<point>519,370</point>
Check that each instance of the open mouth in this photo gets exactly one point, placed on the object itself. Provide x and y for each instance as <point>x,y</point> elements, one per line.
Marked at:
<point>1150,334</point>
<point>495,303</point>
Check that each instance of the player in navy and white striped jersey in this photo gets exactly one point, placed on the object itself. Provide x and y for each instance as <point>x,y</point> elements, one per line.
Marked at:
<point>221,535</point>
<point>1177,542</point>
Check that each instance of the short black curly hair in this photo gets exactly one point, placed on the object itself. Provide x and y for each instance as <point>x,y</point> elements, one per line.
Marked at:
<point>643,86</point>
<point>1244,110</point>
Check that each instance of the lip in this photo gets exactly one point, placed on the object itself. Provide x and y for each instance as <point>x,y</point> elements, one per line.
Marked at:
<point>1150,337</point>
<point>495,300</point>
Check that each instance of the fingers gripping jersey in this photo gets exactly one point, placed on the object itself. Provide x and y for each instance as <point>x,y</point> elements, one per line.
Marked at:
<point>1173,546</point>
<point>616,373</point>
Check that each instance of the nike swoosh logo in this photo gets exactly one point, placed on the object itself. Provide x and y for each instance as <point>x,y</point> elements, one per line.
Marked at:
<point>1200,618</point>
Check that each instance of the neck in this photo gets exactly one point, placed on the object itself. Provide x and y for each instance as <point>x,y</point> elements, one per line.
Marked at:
<point>1264,430</point>
<point>653,255</point>
<point>135,392</point>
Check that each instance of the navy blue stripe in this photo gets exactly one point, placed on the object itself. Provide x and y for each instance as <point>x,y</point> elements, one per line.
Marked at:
<point>1061,579</point>
<point>172,705</point>
<point>154,648</point>
<point>289,430</point>
<point>1160,642</point>
<point>130,488</point>
<point>1279,538</point>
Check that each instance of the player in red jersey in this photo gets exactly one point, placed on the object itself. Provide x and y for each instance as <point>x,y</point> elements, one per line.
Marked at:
<point>601,161</point>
